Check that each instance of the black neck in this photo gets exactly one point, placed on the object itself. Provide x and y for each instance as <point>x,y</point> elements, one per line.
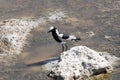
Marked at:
<point>55,36</point>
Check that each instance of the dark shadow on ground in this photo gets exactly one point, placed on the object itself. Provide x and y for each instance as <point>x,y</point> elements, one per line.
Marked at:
<point>43,62</point>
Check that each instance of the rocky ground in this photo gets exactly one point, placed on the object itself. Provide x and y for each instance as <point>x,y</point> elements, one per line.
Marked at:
<point>97,22</point>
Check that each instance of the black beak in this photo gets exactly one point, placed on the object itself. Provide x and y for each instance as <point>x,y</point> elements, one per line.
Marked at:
<point>49,31</point>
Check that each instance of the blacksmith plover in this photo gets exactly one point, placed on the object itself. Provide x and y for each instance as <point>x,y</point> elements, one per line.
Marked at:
<point>60,37</point>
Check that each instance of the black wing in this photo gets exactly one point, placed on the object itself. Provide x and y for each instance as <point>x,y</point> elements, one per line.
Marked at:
<point>65,36</point>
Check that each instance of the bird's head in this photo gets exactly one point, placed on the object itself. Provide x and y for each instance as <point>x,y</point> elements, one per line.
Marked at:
<point>51,29</point>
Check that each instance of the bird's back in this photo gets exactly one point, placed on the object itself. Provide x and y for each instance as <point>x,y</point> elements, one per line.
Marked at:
<point>65,36</point>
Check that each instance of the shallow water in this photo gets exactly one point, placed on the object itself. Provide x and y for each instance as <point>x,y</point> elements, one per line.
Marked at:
<point>100,16</point>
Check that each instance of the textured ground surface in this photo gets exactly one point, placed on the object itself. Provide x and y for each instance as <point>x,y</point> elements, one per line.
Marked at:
<point>99,16</point>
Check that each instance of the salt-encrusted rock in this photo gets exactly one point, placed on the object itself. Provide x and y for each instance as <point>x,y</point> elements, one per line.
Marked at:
<point>79,63</point>
<point>13,34</point>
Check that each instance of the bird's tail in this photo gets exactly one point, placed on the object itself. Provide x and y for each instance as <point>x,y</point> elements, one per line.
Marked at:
<point>73,38</point>
<point>77,39</point>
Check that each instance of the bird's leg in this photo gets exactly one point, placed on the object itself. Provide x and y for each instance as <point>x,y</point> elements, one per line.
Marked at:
<point>66,47</point>
<point>62,47</point>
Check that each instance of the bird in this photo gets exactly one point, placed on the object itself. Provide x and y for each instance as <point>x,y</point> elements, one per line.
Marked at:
<point>62,37</point>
